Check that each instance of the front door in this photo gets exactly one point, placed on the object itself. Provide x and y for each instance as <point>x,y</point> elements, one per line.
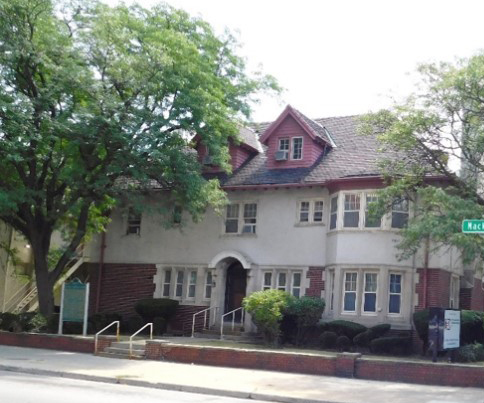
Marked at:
<point>235,288</point>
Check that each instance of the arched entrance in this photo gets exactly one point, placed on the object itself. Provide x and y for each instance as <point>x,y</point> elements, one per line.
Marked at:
<point>235,286</point>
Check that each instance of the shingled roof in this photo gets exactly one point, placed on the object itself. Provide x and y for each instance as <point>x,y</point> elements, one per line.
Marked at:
<point>352,155</point>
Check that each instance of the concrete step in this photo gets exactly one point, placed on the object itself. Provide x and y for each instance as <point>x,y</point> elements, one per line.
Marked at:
<point>125,344</point>
<point>123,356</point>
<point>125,351</point>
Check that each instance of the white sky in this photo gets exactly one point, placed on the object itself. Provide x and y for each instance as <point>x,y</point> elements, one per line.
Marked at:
<point>342,57</point>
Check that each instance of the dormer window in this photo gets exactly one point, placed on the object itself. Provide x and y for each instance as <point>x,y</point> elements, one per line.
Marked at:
<point>297,145</point>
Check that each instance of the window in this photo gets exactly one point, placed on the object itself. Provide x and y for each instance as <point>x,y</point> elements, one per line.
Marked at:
<point>192,284</point>
<point>311,211</point>
<point>454,292</point>
<point>304,212</point>
<point>250,218</point>
<point>180,275</point>
<point>166,283</point>
<point>297,144</point>
<point>349,295</point>
<point>134,222</point>
<point>267,283</point>
<point>369,294</point>
<point>318,211</point>
<point>351,217</point>
<point>400,213</point>
<point>331,288</point>
<point>370,220</point>
<point>208,285</point>
<point>334,213</point>
<point>296,284</point>
<point>281,281</point>
<point>232,219</point>
<point>395,292</point>
<point>284,145</point>
<point>177,214</point>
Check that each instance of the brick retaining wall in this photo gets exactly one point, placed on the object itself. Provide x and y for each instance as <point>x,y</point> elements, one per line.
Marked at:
<point>49,341</point>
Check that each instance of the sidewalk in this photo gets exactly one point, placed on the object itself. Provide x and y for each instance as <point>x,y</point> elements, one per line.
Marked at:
<point>241,383</point>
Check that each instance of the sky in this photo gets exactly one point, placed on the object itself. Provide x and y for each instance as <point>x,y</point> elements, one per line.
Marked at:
<point>336,58</point>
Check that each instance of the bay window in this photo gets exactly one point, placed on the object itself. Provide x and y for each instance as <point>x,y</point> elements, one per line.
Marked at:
<point>351,218</point>
<point>400,213</point>
<point>333,217</point>
<point>370,292</point>
<point>395,294</point>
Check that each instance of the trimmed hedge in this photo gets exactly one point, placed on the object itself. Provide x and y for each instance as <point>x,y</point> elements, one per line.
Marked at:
<point>159,325</point>
<point>343,343</point>
<point>380,330</point>
<point>151,308</point>
<point>99,321</point>
<point>327,340</point>
<point>345,328</point>
<point>363,339</point>
<point>392,345</point>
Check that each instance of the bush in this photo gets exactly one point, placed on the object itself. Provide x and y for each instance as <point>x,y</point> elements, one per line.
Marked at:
<point>99,321</point>
<point>9,322</point>
<point>36,324</point>
<point>391,345</point>
<point>343,343</point>
<point>266,308</point>
<point>363,339</point>
<point>328,340</point>
<point>470,353</point>
<point>151,308</point>
<point>132,324</point>
<point>53,323</point>
<point>472,327</point>
<point>346,328</point>
<point>379,330</point>
<point>159,325</point>
<point>306,312</point>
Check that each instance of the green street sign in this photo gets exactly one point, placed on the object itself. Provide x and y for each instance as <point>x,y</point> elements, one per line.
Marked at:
<point>473,226</point>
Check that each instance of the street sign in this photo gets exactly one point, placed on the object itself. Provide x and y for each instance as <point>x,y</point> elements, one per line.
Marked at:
<point>473,226</point>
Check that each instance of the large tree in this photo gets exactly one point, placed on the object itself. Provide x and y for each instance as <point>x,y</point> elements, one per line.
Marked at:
<point>437,132</point>
<point>95,99</point>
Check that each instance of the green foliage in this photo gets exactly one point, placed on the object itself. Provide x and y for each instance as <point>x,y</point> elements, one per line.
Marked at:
<point>37,324</point>
<point>470,353</point>
<point>343,343</point>
<point>267,308</point>
<point>97,102</point>
<point>159,325</point>
<point>151,308</point>
<point>421,322</point>
<point>392,345</point>
<point>306,312</point>
<point>327,340</point>
<point>346,328</point>
<point>472,327</point>
<point>379,330</point>
<point>132,324</point>
<point>363,339</point>
<point>99,321</point>
<point>8,321</point>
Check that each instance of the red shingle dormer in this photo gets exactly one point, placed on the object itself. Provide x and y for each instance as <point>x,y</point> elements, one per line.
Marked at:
<point>294,140</point>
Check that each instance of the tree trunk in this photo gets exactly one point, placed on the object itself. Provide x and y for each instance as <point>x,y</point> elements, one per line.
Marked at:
<point>44,285</point>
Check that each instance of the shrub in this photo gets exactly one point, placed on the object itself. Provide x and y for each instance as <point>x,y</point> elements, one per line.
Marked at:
<point>132,324</point>
<point>9,322</point>
<point>159,325</point>
<point>53,323</point>
<point>470,353</point>
<point>343,343</point>
<point>421,322</point>
<point>306,312</point>
<point>151,308</point>
<point>37,323</point>
<point>266,308</point>
<point>391,345</point>
<point>472,327</point>
<point>379,330</point>
<point>328,339</point>
<point>363,339</point>
<point>346,328</point>
<point>99,321</point>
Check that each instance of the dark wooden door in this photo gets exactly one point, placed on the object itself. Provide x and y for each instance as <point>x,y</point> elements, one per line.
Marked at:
<point>235,287</point>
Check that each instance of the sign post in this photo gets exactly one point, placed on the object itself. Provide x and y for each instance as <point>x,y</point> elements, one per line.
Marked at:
<point>74,304</point>
<point>444,330</point>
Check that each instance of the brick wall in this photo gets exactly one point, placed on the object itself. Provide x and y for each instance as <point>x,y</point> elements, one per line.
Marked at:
<point>183,319</point>
<point>316,282</point>
<point>48,341</point>
<point>121,286</point>
<point>477,296</point>
<point>438,288</point>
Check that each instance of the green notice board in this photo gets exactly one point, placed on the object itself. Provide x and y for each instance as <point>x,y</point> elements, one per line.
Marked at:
<point>74,301</point>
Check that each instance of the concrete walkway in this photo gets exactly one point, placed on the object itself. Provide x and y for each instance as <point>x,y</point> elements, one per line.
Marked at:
<point>242,383</point>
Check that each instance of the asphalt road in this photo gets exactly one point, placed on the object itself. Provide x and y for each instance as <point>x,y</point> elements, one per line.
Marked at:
<point>25,388</point>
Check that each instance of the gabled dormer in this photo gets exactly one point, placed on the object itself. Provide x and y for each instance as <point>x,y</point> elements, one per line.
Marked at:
<point>294,140</point>
<point>240,151</point>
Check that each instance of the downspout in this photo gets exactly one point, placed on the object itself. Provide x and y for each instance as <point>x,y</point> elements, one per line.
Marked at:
<point>102,247</point>
<point>426,267</point>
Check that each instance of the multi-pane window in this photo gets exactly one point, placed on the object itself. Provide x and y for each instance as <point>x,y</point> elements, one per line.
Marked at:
<point>334,212</point>
<point>166,282</point>
<point>250,218</point>
<point>311,211</point>
<point>232,219</point>
<point>351,217</point>
<point>180,276</point>
<point>318,211</point>
<point>267,282</point>
<point>395,293</point>
<point>296,284</point>
<point>281,281</point>
<point>349,294</point>
<point>208,285</point>
<point>454,292</point>
<point>134,222</point>
<point>283,144</point>
<point>192,284</point>
<point>400,213</point>
<point>371,221</point>
<point>304,211</point>
<point>297,145</point>
<point>369,294</point>
<point>331,288</point>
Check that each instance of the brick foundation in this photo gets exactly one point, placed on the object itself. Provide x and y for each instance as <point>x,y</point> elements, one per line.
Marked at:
<point>316,282</point>
<point>48,341</point>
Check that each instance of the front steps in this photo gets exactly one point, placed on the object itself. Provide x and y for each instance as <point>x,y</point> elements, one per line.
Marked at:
<point>121,350</point>
<point>237,335</point>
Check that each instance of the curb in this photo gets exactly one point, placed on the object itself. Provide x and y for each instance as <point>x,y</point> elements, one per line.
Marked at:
<point>163,386</point>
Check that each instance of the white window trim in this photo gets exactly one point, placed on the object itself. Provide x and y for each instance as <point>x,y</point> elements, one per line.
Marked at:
<point>163,283</point>
<point>206,284</point>
<point>289,280</point>
<point>279,144</point>
<point>176,283</point>
<point>240,222</point>
<point>359,194</point>
<point>365,210</point>
<point>363,293</point>
<point>402,285</point>
<point>292,148</point>
<point>343,292</point>
<point>312,204</point>
<point>292,286</point>
<point>264,285</point>
<point>454,298</point>
<point>188,274</point>
<point>338,206</point>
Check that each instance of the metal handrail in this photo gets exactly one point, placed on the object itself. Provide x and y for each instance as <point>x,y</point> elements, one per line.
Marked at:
<point>131,337</point>
<point>102,330</point>
<point>233,320</point>
<point>205,318</point>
